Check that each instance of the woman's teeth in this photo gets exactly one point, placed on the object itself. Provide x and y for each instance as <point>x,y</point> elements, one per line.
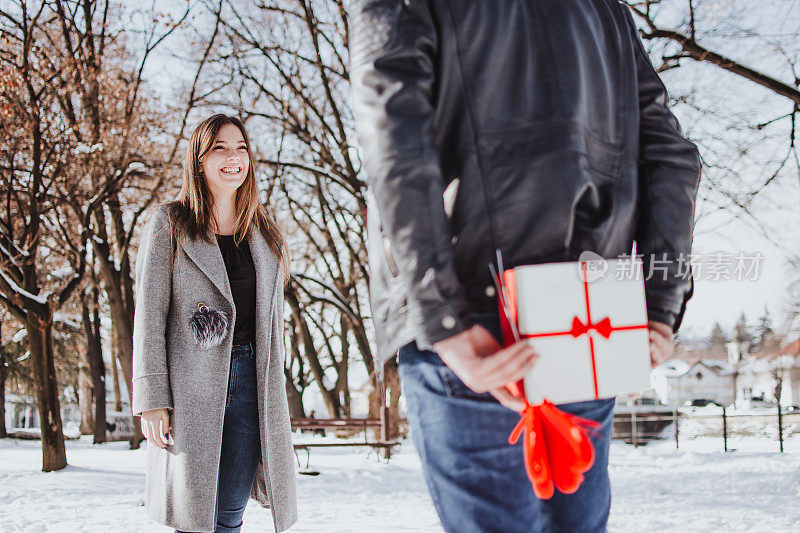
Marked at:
<point>228,170</point>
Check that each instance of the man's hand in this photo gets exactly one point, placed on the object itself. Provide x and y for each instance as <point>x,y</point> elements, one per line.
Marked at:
<point>478,360</point>
<point>661,345</point>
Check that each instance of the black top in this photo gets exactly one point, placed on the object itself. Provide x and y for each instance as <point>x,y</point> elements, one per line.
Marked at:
<point>242,277</point>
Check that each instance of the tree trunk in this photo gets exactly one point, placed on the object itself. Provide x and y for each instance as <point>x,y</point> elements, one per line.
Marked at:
<point>96,368</point>
<point>778,386</point>
<point>294,389</point>
<point>98,376</point>
<point>296,409</point>
<point>86,392</point>
<point>119,289</point>
<point>376,401</point>
<point>392,381</point>
<point>3,374</point>
<point>85,400</point>
<point>115,374</point>
<point>54,456</point>
<point>125,356</point>
<point>364,348</point>
<point>330,397</point>
<point>342,381</point>
<point>124,339</point>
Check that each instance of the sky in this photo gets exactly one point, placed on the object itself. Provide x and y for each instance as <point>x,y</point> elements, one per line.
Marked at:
<point>724,301</point>
<point>719,93</point>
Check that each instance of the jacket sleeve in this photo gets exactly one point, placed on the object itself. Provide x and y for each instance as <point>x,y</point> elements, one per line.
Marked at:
<point>151,388</point>
<point>392,47</point>
<point>669,174</point>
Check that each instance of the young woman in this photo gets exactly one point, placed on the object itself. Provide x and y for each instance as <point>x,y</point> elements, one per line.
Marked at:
<point>208,344</point>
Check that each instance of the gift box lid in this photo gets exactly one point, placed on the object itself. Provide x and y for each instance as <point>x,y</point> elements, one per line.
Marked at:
<point>588,321</point>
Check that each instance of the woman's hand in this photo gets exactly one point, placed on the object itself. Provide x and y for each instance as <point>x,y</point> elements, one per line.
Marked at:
<point>155,427</point>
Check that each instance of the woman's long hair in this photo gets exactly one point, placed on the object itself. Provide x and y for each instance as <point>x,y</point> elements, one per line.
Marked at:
<point>191,215</point>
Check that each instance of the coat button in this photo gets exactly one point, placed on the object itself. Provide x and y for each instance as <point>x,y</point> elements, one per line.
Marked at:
<point>448,322</point>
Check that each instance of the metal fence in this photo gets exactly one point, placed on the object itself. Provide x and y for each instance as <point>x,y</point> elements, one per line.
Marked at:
<point>639,428</point>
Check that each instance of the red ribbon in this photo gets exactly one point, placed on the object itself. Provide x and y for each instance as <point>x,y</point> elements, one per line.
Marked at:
<point>555,446</point>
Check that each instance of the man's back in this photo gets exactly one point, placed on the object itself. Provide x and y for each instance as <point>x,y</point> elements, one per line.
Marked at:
<point>535,112</point>
<point>524,67</point>
<point>554,123</point>
<point>544,125</point>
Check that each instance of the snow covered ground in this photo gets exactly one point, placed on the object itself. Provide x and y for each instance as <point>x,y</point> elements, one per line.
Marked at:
<point>655,488</point>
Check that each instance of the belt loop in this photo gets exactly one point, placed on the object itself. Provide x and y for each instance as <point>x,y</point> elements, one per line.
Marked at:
<point>250,344</point>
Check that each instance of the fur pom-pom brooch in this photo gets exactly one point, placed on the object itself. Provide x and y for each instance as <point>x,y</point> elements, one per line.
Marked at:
<point>208,326</point>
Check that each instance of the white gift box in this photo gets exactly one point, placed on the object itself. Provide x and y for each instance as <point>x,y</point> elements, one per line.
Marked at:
<point>588,322</point>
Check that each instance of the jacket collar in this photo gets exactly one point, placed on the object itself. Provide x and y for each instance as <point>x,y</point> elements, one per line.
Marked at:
<point>208,257</point>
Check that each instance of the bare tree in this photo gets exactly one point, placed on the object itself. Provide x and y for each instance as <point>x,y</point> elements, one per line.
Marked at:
<point>284,67</point>
<point>3,376</point>
<point>92,358</point>
<point>34,166</point>
<point>690,47</point>
<point>80,145</point>
<point>282,64</point>
<point>123,125</point>
<point>296,372</point>
<point>85,394</point>
<point>739,94</point>
<point>115,373</point>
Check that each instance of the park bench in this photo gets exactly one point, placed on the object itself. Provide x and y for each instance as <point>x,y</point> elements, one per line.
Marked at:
<point>355,425</point>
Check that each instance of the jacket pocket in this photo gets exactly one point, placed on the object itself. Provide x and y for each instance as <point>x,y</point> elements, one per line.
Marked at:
<point>553,189</point>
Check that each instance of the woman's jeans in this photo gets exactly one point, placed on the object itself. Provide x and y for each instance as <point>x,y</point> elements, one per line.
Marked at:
<point>241,443</point>
<point>476,479</point>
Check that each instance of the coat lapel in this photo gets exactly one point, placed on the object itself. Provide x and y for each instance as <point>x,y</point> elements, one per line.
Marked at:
<point>258,249</point>
<point>265,265</point>
<point>266,279</point>
<point>208,257</point>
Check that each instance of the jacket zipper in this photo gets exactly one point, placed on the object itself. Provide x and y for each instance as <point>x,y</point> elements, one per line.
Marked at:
<point>387,250</point>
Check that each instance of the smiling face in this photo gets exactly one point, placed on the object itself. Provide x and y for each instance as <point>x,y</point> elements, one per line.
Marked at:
<point>226,164</point>
<point>219,174</point>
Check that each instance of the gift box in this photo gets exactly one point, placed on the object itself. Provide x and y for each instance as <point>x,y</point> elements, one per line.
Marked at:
<point>588,322</point>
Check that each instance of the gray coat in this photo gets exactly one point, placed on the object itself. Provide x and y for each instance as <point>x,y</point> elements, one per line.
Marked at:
<point>171,370</point>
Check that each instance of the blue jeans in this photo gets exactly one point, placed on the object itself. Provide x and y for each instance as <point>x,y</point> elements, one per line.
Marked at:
<point>476,479</point>
<point>241,442</point>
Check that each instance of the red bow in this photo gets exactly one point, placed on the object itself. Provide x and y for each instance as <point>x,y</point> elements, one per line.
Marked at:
<point>555,448</point>
<point>603,327</point>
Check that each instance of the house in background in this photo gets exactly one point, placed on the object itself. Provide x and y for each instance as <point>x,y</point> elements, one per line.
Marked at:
<point>23,414</point>
<point>677,381</point>
<point>760,373</point>
<point>21,411</point>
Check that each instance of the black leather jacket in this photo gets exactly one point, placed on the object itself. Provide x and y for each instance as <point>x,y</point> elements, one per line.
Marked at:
<point>554,123</point>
